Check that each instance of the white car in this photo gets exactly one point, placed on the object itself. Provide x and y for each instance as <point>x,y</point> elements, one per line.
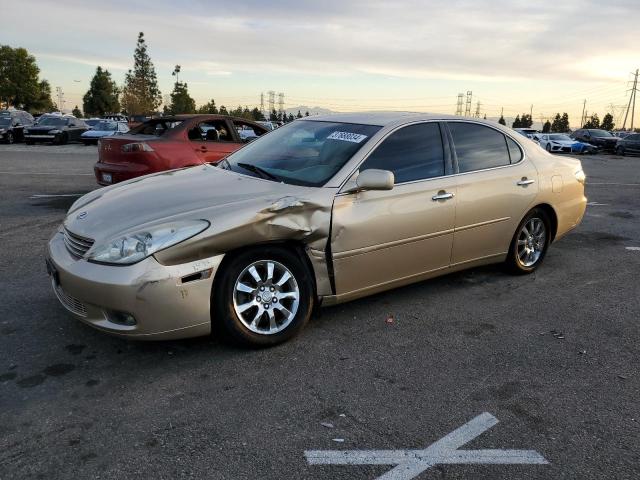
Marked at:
<point>556,142</point>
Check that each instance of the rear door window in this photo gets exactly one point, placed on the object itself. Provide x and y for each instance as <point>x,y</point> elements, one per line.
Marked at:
<point>211,131</point>
<point>246,131</point>
<point>412,153</point>
<point>478,147</point>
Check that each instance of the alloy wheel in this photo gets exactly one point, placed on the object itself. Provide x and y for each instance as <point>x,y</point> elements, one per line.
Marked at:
<point>531,242</point>
<point>266,297</point>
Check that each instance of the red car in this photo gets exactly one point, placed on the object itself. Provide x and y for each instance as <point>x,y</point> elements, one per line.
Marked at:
<point>172,142</point>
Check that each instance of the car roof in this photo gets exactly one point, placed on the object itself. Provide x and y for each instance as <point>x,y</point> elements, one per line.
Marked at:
<point>382,119</point>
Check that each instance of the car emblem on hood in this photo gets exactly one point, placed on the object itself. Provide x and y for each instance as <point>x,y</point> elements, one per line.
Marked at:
<point>81,215</point>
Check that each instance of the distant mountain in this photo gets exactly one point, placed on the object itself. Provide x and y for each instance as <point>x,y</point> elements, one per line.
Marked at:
<point>311,110</point>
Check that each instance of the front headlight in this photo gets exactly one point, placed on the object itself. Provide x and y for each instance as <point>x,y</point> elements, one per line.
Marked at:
<point>137,246</point>
<point>580,176</point>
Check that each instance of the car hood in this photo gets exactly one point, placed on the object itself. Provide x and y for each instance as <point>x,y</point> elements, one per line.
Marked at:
<point>228,200</point>
<point>98,133</point>
<point>44,128</point>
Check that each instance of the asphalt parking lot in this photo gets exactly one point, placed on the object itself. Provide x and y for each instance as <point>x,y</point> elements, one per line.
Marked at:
<point>552,356</point>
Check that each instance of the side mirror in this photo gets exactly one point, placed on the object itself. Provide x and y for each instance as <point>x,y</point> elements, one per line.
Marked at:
<point>374,179</point>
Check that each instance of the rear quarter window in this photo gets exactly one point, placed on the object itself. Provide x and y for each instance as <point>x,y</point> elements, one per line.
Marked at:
<point>479,147</point>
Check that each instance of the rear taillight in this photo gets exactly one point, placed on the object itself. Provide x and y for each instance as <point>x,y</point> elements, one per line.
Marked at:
<point>136,147</point>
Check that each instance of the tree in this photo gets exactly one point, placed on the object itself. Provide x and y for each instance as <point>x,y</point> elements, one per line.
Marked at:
<point>299,115</point>
<point>141,95</point>
<point>273,116</point>
<point>607,122</point>
<point>546,128</point>
<point>102,96</point>
<point>516,122</point>
<point>526,121</point>
<point>306,114</point>
<point>593,122</point>
<point>181,101</point>
<point>223,110</point>
<point>209,108</point>
<point>256,114</point>
<point>19,83</point>
<point>501,120</point>
<point>76,112</point>
<point>290,118</point>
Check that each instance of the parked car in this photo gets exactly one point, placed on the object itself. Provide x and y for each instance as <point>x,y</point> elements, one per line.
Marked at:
<point>12,124</point>
<point>58,129</point>
<point>601,139</point>
<point>526,132</point>
<point>268,125</point>
<point>621,134</point>
<point>170,142</point>
<point>102,129</point>
<point>91,122</point>
<point>116,117</point>
<point>323,210</point>
<point>629,145</point>
<point>135,120</point>
<point>563,143</point>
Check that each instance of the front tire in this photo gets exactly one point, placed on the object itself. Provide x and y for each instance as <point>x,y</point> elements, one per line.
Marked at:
<point>620,151</point>
<point>9,138</point>
<point>263,297</point>
<point>548,147</point>
<point>530,243</point>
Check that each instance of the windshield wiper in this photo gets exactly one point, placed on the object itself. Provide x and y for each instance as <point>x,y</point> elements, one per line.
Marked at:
<point>259,170</point>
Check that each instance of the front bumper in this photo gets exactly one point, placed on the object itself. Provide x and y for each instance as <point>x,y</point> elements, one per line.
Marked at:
<point>165,301</point>
<point>36,138</point>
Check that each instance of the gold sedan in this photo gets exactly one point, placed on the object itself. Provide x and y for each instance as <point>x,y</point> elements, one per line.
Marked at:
<point>321,211</point>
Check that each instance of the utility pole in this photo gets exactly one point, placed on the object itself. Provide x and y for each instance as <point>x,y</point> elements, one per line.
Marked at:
<point>582,118</point>
<point>467,107</point>
<point>459,104</point>
<point>531,113</point>
<point>632,97</point>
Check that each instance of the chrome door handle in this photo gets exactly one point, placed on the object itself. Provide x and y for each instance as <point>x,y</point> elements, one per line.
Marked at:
<point>442,196</point>
<point>524,182</point>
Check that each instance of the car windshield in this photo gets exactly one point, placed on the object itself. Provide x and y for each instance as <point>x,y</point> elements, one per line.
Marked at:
<point>560,138</point>
<point>157,127</point>
<point>5,121</point>
<point>600,133</point>
<point>106,126</point>
<point>305,153</point>
<point>53,121</point>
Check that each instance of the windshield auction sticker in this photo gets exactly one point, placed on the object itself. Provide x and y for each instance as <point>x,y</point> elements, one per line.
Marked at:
<point>347,137</point>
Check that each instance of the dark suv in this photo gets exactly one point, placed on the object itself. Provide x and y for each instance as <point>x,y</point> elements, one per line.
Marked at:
<point>12,123</point>
<point>58,129</point>
<point>629,145</point>
<point>602,139</point>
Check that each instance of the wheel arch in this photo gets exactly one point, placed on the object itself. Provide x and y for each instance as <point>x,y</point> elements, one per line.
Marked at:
<point>551,213</point>
<point>291,245</point>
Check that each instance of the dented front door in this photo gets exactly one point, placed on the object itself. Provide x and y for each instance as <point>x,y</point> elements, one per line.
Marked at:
<point>382,238</point>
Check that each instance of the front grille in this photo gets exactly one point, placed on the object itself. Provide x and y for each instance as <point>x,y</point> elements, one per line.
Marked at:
<point>70,303</point>
<point>76,244</point>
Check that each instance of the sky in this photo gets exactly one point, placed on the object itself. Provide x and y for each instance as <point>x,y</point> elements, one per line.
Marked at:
<point>349,55</point>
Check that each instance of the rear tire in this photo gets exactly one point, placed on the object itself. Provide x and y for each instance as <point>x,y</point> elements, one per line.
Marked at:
<point>253,306</point>
<point>530,243</point>
<point>9,138</point>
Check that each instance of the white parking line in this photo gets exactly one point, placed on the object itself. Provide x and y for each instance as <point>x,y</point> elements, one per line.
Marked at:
<point>596,204</point>
<point>47,173</point>
<point>411,463</point>
<point>58,195</point>
<point>611,183</point>
<point>633,249</point>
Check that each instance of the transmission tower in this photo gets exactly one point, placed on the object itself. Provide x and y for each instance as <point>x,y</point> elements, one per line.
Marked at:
<point>281,103</point>
<point>467,107</point>
<point>632,102</point>
<point>262,103</point>
<point>272,101</point>
<point>477,114</point>
<point>60,95</point>
<point>459,105</point>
